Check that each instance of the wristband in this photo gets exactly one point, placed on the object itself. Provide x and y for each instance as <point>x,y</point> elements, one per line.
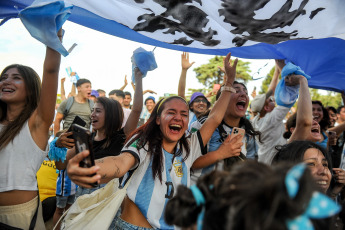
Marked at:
<point>227,88</point>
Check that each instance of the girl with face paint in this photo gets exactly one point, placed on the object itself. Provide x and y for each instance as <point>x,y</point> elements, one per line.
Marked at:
<point>162,155</point>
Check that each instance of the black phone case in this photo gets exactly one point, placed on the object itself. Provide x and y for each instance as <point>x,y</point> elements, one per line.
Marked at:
<point>77,120</point>
<point>82,137</point>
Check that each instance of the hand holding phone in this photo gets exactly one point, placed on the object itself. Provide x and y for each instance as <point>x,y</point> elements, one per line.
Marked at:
<point>77,120</point>
<point>231,147</point>
<point>82,137</point>
<point>237,132</point>
<point>65,140</point>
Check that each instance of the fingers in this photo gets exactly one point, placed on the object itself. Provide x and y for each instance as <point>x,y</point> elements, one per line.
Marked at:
<point>82,176</point>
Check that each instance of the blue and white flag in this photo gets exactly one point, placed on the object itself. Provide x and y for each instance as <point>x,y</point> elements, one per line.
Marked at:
<point>309,33</point>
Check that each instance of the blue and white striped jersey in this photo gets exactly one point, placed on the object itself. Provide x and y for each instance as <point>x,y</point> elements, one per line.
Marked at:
<point>149,194</point>
<point>64,185</point>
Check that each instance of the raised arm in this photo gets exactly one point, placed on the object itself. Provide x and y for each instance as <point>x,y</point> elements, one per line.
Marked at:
<point>304,112</point>
<point>133,118</point>
<point>217,113</point>
<point>43,116</point>
<point>185,66</point>
<point>125,83</point>
<point>62,89</point>
<point>149,91</point>
<point>73,90</point>
<point>277,70</point>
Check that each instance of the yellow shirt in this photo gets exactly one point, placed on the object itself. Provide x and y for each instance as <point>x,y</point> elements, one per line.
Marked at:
<point>46,179</point>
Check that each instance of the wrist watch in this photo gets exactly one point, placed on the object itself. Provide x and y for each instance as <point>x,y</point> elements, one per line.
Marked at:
<point>227,88</point>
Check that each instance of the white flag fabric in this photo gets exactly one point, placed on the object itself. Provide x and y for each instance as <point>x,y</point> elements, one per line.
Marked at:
<point>309,33</point>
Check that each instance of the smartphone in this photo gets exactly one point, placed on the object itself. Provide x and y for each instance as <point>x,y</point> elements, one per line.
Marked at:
<point>83,141</point>
<point>254,87</point>
<point>82,137</point>
<point>77,120</point>
<point>237,131</point>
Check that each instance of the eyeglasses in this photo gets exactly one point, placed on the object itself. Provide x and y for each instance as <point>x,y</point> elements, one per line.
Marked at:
<point>198,100</point>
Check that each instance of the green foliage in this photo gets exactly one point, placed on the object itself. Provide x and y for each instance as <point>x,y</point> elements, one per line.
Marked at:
<point>266,82</point>
<point>330,99</point>
<point>209,74</point>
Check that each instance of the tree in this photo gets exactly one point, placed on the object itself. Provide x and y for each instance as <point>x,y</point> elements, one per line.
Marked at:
<point>209,74</point>
<point>266,82</point>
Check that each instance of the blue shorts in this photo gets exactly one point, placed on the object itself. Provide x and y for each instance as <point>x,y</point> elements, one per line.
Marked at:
<point>62,201</point>
<point>120,224</point>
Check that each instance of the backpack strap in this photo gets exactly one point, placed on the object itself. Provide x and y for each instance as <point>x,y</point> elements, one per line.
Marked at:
<point>91,104</point>
<point>222,133</point>
<point>69,104</point>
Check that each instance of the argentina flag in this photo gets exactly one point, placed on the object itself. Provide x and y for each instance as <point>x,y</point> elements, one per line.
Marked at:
<point>309,33</point>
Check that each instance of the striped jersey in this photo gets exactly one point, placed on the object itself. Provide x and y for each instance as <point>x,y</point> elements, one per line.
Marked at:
<point>151,195</point>
<point>64,185</point>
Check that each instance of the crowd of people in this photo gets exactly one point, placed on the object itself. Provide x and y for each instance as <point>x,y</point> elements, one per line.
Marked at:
<point>195,164</point>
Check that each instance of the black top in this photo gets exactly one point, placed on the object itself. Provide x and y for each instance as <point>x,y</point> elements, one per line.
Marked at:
<point>115,147</point>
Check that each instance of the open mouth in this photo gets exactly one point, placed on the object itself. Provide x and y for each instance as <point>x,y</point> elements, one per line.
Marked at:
<point>315,130</point>
<point>174,128</point>
<point>7,90</point>
<point>241,105</point>
<point>94,121</point>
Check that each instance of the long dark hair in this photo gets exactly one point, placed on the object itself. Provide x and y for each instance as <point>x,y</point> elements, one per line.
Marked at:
<point>33,93</point>
<point>294,152</point>
<point>326,121</point>
<point>113,118</point>
<point>150,134</point>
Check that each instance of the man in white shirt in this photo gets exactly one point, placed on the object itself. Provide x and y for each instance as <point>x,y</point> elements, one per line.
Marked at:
<point>269,119</point>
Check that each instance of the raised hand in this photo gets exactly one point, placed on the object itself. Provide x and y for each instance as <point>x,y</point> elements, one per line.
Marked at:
<point>185,61</point>
<point>230,69</point>
<point>126,82</point>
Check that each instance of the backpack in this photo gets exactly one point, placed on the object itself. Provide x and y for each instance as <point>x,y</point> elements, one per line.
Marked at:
<point>69,104</point>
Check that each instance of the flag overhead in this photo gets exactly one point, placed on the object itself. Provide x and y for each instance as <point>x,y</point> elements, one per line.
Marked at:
<point>309,33</point>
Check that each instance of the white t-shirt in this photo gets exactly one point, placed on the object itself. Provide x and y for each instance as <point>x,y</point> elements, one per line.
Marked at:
<point>272,129</point>
<point>150,195</point>
<point>126,113</point>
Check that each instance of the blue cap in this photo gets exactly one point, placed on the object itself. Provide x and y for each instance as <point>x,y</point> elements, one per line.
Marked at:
<point>150,98</point>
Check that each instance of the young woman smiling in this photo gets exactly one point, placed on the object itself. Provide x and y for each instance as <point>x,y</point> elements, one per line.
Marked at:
<point>26,113</point>
<point>162,156</point>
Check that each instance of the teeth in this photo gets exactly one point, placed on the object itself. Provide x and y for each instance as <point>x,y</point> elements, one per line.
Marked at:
<point>7,90</point>
<point>321,182</point>
<point>177,126</point>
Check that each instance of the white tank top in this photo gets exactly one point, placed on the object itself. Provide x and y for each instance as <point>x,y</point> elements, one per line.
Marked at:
<point>19,162</point>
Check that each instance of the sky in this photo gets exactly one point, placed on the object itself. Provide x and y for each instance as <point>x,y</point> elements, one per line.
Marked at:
<point>106,59</point>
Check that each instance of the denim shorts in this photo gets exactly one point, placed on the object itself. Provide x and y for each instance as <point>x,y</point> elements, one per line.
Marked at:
<point>82,191</point>
<point>62,201</point>
<point>120,224</point>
